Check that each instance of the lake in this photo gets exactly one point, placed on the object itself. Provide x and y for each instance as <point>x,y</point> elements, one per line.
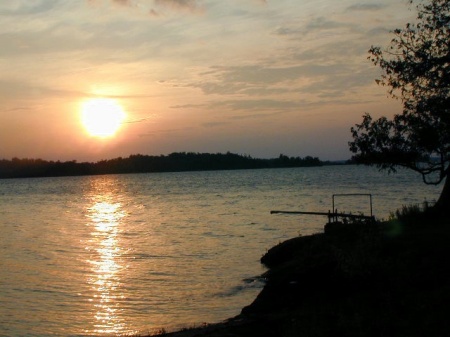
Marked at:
<point>121,254</point>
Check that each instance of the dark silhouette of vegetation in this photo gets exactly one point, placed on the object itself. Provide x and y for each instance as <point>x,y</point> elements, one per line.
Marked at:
<point>357,279</point>
<point>174,162</point>
<point>416,68</point>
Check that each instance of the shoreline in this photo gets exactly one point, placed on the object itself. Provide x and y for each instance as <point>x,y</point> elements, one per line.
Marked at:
<point>380,279</point>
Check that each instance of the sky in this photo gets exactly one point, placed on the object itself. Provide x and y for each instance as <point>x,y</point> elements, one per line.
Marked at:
<point>253,77</point>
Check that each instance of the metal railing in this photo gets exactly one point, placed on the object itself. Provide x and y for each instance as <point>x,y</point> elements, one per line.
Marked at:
<point>334,216</point>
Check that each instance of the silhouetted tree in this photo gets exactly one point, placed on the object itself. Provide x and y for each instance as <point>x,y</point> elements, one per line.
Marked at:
<point>416,68</point>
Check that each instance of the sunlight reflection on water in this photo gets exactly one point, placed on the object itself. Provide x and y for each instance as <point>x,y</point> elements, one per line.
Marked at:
<point>105,217</point>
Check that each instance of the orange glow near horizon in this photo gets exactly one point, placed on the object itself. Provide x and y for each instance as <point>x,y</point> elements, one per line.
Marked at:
<point>102,117</point>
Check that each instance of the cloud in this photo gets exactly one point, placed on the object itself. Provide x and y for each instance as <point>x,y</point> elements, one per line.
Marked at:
<point>123,2</point>
<point>153,13</point>
<point>366,7</point>
<point>156,8</point>
<point>258,104</point>
<point>247,80</point>
<point>166,131</point>
<point>286,31</point>
<point>23,90</point>
<point>336,51</point>
<point>188,106</point>
<point>190,5</point>
<point>244,109</point>
<point>178,4</point>
<point>257,80</point>
<point>162,6</point>
<point>256,74</point>
<point>214,124</point>
<point>26,7</point>
<point>139,120</point>
<point>322,23</point>
<point>314,26</point>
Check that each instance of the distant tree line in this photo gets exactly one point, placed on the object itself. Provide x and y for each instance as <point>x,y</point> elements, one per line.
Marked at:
<point>174,162</point>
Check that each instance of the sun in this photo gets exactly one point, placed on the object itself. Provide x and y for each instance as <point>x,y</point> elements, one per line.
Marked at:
<point>102,117</point>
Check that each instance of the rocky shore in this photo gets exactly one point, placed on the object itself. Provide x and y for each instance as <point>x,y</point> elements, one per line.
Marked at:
<point>359,279</point>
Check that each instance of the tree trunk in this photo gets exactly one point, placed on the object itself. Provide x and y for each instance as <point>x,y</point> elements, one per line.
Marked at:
<point>443,203</point>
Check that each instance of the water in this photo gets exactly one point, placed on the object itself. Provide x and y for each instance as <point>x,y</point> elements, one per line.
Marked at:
<point>122,254</point>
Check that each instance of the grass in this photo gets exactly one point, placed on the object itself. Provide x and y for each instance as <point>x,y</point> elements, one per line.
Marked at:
<point>359,279</point>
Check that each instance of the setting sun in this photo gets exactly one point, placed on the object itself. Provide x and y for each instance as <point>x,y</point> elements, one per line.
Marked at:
<point>102,117</point>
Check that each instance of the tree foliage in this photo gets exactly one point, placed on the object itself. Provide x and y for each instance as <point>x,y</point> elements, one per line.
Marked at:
<point>137,163</point>
<point>416,70</point>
